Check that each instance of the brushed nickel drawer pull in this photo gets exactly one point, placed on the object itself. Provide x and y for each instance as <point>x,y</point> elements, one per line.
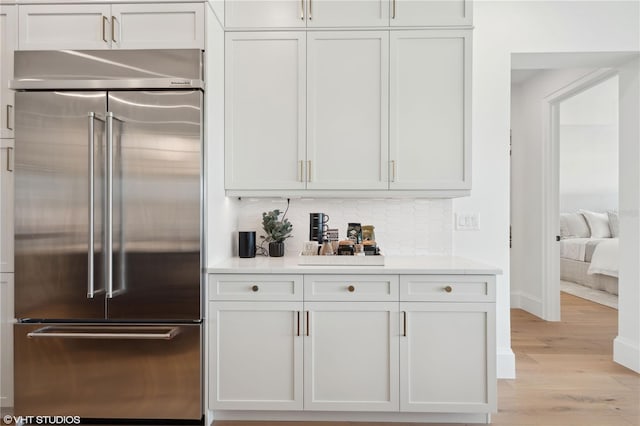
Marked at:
<point>448,289</point>
<point>104,29</point>
<point>298,333</point>
<point>404,321</point>
<point>255,288</point>
<point>351,289</point>
<point>302,10</point>
<point>309,171</point>
<point>307,323</point>
<point>9,111</point>
<point>9,165</point>
<point>113,29</point>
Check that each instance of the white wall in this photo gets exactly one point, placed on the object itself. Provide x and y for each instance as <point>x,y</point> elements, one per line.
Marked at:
<point>502,28</point>
<point>626,348</point>
<point>589,149</point>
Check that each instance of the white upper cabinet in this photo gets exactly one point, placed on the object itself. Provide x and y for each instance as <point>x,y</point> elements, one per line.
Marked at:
<point>426,13</point>
<point>265,98</point>
<point>306,13</point>
<point>104,26</point>
<point>430,110</point>
<point>265,14</point>
<point>6,204</point>
<point>164,25</point>
<point>347,13</point>
<point>347,108</point>
<point>8,39</point>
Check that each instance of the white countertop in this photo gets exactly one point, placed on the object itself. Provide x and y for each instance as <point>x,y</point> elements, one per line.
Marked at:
<point>393,265</point>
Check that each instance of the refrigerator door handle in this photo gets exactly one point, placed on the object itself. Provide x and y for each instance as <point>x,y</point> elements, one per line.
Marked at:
<point>106,333</point>
<point>108,214</point>
<point>91,291</point>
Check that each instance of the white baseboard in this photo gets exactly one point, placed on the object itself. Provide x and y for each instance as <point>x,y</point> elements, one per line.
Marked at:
<point>531,304</point>
<point>506,368</point>
<point>346,416</point>
<point>626,353</point>
<point>515,300</point>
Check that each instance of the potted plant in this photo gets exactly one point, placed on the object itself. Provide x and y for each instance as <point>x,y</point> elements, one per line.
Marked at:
<point>277,231</point>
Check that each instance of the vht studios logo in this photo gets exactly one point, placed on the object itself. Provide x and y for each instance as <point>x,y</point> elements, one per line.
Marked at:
<point>42,420</point>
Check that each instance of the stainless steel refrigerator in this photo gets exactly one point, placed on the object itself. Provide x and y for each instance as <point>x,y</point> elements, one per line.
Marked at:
<point>108,214</point>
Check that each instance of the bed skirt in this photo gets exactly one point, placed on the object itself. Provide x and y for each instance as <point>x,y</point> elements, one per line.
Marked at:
<point>576,271</point>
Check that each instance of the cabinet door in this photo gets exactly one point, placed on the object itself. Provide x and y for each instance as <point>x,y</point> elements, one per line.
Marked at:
<point>6,340</point>
<point>351,356</point>
<point>419,13</point>
<point>77,26</point>
<point>349,13</point>
<point>430,117</point>
<point>265,81</point>
<point>158,26</point>
<point>265,14</point>
<point>8,38</point>
<point>447,357</point>
<point>347,110</point>
<point>6,205</point>
<point>255,360</point>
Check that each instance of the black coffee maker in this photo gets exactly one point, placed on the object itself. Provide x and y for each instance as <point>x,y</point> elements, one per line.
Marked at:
<point>318,226</point>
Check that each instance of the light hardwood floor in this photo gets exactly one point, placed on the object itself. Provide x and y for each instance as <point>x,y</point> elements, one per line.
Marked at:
<point>565,373</point>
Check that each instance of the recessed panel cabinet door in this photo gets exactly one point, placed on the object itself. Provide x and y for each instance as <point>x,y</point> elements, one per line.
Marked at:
<point>265,83</point>
<point>74,26</point>
<point>265,14</point>
<point>255,355</point>
<point>447,357</point>
<point>418,13</point>
<point>158,26</point>
<point>351,356</point>
<point>430,110</point>
<point>6,344</point>
<point>347,110</point>
<point>347,13</point>
<point>8,41</point>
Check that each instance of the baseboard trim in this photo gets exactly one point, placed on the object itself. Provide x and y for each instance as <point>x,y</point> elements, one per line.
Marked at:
<point>531,304</point>
<point>506,368</point>
<point>626,353</point>
<point>515,300</point>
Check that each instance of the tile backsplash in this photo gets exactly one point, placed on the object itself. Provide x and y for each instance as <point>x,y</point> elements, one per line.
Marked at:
<point>402,227</point>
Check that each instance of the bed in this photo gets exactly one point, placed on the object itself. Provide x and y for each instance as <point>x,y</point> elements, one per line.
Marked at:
<point>589,251</point>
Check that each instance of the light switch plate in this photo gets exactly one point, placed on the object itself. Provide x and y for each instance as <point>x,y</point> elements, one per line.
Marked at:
<point>467,221</point>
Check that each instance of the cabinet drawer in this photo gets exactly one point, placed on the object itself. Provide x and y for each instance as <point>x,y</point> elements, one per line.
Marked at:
<point>448,288</point>
<point>351,287</point>
<point>255,287</point>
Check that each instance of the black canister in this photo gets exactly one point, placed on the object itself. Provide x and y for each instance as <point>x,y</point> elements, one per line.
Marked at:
<point>247,243</point>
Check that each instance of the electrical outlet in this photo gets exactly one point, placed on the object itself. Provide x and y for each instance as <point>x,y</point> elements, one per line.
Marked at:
<point>467,222</point>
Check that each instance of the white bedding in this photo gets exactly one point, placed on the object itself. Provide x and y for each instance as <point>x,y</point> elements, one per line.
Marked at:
<point>576,248</point>
<point>605,258</point>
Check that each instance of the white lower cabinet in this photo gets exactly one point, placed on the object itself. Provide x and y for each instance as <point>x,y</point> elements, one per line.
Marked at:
<point>6,340</point>
<point>445,354</point>
<point>351,356</point>
<point>256,355</point>
<point>360,343</point>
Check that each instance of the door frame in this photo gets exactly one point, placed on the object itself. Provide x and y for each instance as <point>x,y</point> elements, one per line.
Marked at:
<point>551,186</point>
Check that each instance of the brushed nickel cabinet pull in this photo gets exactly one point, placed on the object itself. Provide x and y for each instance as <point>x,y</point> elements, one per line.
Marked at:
<point>105,20</point>
<point>302,10</point>
<point>309,171</point>
<point>307,323</point>
<point>404,316</point>
<point>9,153</point>
<point>9,114</point>
<point>300,171</point>
<point>393,170</point>
<point>298,326</point>
<point>113,29</point>
<point>351,288</point>
<point>448,289</point>
<point>393,11</point>
<point>255,288</point>
<point>310,17</point>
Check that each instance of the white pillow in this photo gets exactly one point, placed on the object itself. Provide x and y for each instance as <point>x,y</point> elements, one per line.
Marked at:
<point>614,224</point>
<point>598,224</point>
<point>576,226</point>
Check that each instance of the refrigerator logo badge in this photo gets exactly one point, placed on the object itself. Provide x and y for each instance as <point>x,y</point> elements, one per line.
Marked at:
<point>182,83</point>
